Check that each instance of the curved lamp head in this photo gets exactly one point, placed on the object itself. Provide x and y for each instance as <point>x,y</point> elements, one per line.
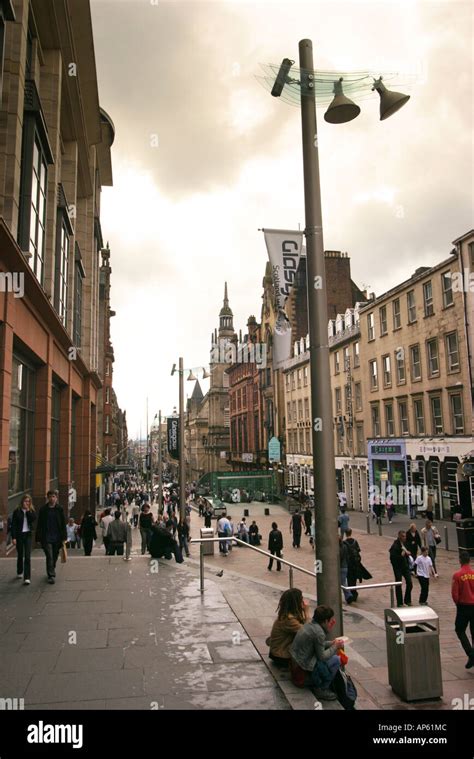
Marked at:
<point>205,374</point>
<point>390,102</point>
<point>191,377</point>
<point>342,109</point>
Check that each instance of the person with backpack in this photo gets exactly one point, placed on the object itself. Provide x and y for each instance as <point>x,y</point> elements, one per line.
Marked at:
<point>275,546</point>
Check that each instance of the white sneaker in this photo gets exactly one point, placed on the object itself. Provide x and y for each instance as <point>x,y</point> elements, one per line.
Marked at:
<point>19,577</point>
<point>27,582</point>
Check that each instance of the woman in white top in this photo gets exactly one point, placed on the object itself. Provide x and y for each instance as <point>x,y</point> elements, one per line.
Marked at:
<point>23,519</point>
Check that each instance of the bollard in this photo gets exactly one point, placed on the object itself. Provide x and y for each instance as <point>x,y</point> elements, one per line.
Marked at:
<point>446,537</point>
<point>380,526</point>
<point>368,524</point>
<point>201,567</point>
<point>291,577</point>
<point>392,596</point>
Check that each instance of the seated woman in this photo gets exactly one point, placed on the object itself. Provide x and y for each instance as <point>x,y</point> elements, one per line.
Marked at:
<point>316,655</point>
<point>292,612</point>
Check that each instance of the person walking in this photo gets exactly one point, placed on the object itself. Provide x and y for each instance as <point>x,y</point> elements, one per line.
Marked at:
<point>424,570</point>
<point>343,521</point>
<point>275,545</point>
<point>135,514</point>
<point>183,536</point>
<point>23,519</point>
<point>307,516</point>
<point>431,538</point>
<point>207,517</point>
<point>462,592</point>
<point>353,562</point>
<point>344,567</point>
<point>51,532</point>
<point>145,523</point>
<point>296,527</point>
<point>88,533</point>
<point>128,543</point>
<point>413,541</point>
<point>224,529</point>
<point>71,532</point>
<point>253,534</point>
<point>117,535</point>
<point>401,569</point>
<point>104,526</point>
<point>243,530</point>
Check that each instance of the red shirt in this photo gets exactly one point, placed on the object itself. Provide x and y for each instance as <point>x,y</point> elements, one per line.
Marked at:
<point>462,588</point>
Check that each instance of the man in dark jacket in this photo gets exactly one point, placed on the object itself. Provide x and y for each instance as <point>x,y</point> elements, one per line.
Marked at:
<point>51,532</point>
<point>162,543</point>
<point>399,560</point>
<point>307,515</point>
<point>353,561</point>
<point>275,545</point>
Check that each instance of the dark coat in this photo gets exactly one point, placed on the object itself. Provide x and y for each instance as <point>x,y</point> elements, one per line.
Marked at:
<point>399,562</point>
<point>88,525</point>
<point>17,522</point>
<point>42,523</point>
<point>275,540</point>
<point>161,542</point>
<point>413,543</point>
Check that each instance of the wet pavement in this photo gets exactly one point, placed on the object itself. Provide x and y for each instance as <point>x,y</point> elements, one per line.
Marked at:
<point>112,634</point>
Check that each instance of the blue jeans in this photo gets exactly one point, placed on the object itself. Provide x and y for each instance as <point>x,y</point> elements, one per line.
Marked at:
<point>347,593</point>
<point>324,672</point>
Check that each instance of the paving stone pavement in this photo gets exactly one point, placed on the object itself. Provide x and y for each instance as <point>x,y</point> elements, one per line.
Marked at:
<point>118,635</point>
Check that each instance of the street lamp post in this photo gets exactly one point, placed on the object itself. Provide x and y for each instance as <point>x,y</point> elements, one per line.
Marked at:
<point>160,467</point>
<point>325,495</point>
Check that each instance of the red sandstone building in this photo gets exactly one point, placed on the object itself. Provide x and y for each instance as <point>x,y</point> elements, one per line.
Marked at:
<point>55,143</point>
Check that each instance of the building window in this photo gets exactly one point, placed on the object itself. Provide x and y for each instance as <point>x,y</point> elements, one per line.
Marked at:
<point>244,397</point>
<point>288,406</point>
<point>371,327</point>
<point>452,352</point>
<point>428,298</point>
<point>400,364</point>
<point>397,319</point>
<point>347,360</point>
<point>107,369</point>
<point>288,381</point>
<point>457,416</point>
<point>38,211</point>
<point>337,394</point>
<point>360,442</point>
<point>306,409</point>
<point>77,319</point>
<point>390,426</point>
<point>300,410</point>
<point>305,376</point>
<point>436,415</point>
<point>107,424</point>
<point>375,413</point>
<point>356,354</point>
<point>293,381</point>
<point>107,452</point>
<point>107,394</point>
<point>403,417</point>
<point>62,267</point>
<point>55,428</point>
<point>433,363</point>
<point>411,307</point>
<point>383,320</point>
<point>358,396</point>
<point>22,427</point>
<point>419,416</point>
<point>387,372</point>
<point>373,374</point>
<point>337,366</point>
<point>293,416</point>
<point>447,287</point>
<point>471,254</point>
<point>308,441</point>
<point>415,362</point>
<point>299,378</point>
<point>347,398</point>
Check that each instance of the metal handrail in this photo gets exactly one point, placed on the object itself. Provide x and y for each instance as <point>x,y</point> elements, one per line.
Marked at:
<point>292,566</point>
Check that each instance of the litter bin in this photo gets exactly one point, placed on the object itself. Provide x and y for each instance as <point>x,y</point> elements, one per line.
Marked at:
<point>465,535</point>
<point>413,654</point>
<point>208,548</point>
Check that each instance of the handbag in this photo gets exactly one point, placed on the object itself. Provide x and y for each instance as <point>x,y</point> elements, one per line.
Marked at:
<point>298,675</point>
<point>63,553</point>
<point>437,539</point>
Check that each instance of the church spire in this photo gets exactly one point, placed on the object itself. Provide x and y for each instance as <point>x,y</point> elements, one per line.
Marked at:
<point>226,316</point>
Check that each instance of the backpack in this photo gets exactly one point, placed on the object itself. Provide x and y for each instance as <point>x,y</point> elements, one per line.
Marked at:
<point>345,690</point>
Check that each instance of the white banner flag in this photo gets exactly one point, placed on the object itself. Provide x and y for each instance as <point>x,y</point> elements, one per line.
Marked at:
<point>284,250</point>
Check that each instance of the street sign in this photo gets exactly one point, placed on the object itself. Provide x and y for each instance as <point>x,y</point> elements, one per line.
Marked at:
<point>173,437</point>
<point>274,450</point>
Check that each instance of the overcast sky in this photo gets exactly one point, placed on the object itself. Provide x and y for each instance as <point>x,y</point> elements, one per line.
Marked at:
<point>204,156</point>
